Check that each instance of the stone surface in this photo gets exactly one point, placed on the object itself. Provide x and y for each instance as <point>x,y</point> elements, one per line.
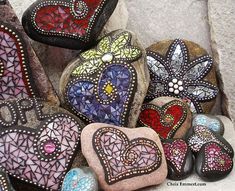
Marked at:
<point>222,30</point>
<point>38,75</point>
<point>213,162</point>
<point>78,179</point>
<point>211,122</point>
<point>181,68</point>
<point>43,135</point>
<point>170,117</point>
<point>109,82</point>
<point>180,161</point>
<point>128,165</point>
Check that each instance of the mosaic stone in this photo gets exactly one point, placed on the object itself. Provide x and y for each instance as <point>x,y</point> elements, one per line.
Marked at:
<point>5,184</point>
<point>200,135</point>
<point>37,144</point>
<point>71,24</point>
<point>213,162</point>
<point>127,156</point>
<point>212,122</point>
<point>103,84</point>
<point>15,73</point>
<point>179,158</point>
<point>80,179</point>
<point>166,119</point>
<point>178,75</point>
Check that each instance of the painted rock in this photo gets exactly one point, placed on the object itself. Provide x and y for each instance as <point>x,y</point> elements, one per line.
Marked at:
<point>43,138</point>
<point>200,135</point>
<point>179,159</point>
<point>123,158</point>
<point>213,162</point>
<point>184,70</point>
<point>74,24</point>
<point>212,122</point>
<point>80,179</point>
<point>169,117</point>
<point>5,184</point>
<point>109,82</point>
<point>21,73</point>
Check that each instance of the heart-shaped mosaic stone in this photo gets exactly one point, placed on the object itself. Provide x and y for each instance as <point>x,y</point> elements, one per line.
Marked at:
<point>5,184</point>
<point>165,120</point>
<point>123,158</point>
<point>80,179</point>
<point>212,122</point>
<point>200,135</point>
<point>15,73</point>
<point>179,158</point>
<point>39,155</point>
<point>103,84</point>
<point>213,162</point>
<point>67,23</point>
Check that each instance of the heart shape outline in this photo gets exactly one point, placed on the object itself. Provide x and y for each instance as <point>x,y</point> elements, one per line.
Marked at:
<point>49,163</point>
<point>161,111</point>
<point>95,79</point>
<point>125,158</point>
<point>16,44</point>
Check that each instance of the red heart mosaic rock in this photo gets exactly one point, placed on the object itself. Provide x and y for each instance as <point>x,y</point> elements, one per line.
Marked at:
<point>165,120</point>
<point>67,23</point>
<point>213,162</point>
<point>179,159</point>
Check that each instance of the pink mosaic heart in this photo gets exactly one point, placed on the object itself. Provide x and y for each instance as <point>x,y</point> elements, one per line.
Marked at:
<point>40,156</point>
<point>122,158</point>
<point>15,80</point>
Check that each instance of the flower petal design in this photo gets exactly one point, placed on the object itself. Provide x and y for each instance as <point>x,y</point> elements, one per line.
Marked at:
<point>120,42</point>
<point>177,56</point>
<point>155,90</point>
<point>201,91</point>
<point>156,66</point>
<point>199,68</point>
<point>105,45</point>
<point>87,68</point>
<point>131,53</point>
<point>90,54</point>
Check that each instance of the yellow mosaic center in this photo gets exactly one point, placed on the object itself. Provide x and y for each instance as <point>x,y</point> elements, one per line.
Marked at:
<point>108,89</point>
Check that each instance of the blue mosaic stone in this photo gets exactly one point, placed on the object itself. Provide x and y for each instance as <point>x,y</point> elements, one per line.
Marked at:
<point>80,179</point>
<point>211,122</point>
<point>107,100</point>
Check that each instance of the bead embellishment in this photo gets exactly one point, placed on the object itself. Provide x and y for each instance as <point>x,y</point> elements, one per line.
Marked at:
<point>73,18</point>
<point>165,120</point>
<point>177,76</point>
<point>102,87</point>
<point>5,184</point>
<point>122,158</point>
<point>216,159</point>
<point>203,135</point>
<point>175,153</point>
<point>15,79</point>
<point>43,153</point>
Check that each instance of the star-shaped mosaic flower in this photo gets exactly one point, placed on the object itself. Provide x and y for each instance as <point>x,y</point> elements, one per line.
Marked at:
<point>108,50</point>
<point>177,76</point>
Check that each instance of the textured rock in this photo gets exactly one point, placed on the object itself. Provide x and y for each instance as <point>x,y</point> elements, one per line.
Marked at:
<point>45,136</point>
<point>41,81</point>
<point>182,69</point>
<point>222,29</point>
<point>213,163</point>
<point>109,82</point>
<point>80,179</point>
<point>169,117</point>
<point>114,154</point>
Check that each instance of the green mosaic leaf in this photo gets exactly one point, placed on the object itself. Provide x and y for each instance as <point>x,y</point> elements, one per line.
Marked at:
<point>120,42</point>
<point>87,68</point>
<point>129,53</point>
<point>90,54</point>
<point>105,45</point>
